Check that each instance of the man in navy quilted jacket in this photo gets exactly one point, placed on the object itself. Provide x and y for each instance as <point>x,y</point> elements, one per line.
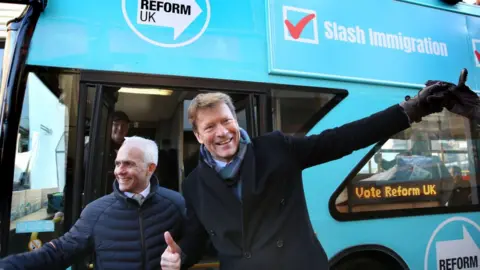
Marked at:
<point>124,228</point>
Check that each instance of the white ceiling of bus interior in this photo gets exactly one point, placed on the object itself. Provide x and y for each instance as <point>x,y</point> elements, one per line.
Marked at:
<point>149,108</point>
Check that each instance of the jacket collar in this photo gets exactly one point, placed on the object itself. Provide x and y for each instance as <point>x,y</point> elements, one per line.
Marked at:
<point>121,196</point>
<point>246,178</point>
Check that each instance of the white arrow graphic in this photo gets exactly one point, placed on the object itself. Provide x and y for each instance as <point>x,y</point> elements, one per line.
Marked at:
<point>177,14</point>
<point>458,254</point>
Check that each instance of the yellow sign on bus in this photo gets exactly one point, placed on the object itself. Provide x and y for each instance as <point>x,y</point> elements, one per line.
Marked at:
<point>380,192</point>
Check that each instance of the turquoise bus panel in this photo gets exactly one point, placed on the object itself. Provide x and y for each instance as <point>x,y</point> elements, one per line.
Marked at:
<point>402,44</point>
<point>388,42</point>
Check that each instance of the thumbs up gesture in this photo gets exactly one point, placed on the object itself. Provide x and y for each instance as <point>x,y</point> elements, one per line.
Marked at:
<point>171,256</point>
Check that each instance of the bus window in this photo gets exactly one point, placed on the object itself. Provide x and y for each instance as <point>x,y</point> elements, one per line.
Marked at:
<point>430,165</point>
<point>40,168</point>
<point>296,112</point>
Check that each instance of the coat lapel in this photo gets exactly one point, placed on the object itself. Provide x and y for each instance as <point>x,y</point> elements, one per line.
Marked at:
<point>224,193</point>
<point>250,192</point>
<point>247,176</point>
<point>217,187</point>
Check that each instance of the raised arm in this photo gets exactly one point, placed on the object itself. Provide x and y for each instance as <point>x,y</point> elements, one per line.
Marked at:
<point>59,253</point>
<point>335,143</point>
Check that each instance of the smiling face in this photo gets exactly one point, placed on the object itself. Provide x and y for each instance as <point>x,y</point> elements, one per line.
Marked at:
<point>119,130</point>
<point>218,130</point>
<point>131,171</point>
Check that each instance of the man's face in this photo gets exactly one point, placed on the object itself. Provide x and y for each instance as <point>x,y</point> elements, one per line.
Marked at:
<point>119,131</point>
<point>131,171</point>
<point>218,130</point>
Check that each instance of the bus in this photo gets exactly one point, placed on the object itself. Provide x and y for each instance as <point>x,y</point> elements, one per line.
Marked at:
<point>407,202</point>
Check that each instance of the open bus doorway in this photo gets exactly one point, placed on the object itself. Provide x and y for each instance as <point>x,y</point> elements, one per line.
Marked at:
<point>159,114</point>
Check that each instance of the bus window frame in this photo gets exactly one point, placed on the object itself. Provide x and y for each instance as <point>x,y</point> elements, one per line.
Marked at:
<point>207,84</point>
<point>14,81</point>
<point>391,213</point>
<point>78,175</point>
<point>104,97</point>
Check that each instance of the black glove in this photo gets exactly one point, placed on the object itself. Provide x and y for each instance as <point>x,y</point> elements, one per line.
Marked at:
<point>438,95</point>
<point>463,100</point>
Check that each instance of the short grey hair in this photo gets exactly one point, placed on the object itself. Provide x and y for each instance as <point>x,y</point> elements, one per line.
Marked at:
<point>148,147</point>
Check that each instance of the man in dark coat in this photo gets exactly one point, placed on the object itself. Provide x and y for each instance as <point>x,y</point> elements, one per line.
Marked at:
<point>125,228</point>
<point>247,195</point>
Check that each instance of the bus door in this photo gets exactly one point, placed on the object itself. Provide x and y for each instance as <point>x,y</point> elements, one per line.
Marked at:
<point>99,156</point>
<point>94,174</point>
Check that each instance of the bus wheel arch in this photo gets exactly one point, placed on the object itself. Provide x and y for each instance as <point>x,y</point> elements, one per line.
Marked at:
<point>367,255</point>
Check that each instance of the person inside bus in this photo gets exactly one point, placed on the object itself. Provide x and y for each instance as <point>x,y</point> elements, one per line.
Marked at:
<point>246,194</point>
<point>120,127</point>
<point>420,147</point>
<point>124,228</point>
<point>461,191</point>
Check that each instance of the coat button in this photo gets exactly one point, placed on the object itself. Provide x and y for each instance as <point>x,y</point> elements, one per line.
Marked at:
<point>212,233</point>
<point>279,243</point>
<point>247,255</point>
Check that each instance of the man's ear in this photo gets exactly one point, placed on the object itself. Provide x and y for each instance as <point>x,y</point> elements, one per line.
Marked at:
<point>199,139</point>
<point>151,168</point>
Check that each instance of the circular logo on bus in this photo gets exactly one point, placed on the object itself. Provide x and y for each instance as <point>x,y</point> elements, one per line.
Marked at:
<point>454,245</point>
<point>169,23</point>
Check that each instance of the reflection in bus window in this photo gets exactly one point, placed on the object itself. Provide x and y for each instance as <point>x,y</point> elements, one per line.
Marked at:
<point>431,164</point>
<point>40,164</point>
<point>296,112</point>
